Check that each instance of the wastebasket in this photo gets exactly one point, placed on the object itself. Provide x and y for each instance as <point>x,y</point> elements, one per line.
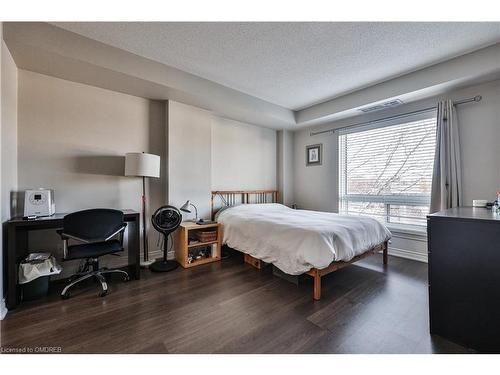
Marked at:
<point>34,275</point>
<point>35,289</point>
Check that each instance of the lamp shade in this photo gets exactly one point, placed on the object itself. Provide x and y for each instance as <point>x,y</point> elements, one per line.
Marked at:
<point>185,207</point>
<point>142,165</point>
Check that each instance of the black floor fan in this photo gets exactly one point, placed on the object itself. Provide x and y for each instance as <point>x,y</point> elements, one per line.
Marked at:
<point>165,220</point>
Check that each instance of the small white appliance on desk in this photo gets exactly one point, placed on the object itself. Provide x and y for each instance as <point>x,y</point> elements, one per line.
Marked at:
<point>39,202</point>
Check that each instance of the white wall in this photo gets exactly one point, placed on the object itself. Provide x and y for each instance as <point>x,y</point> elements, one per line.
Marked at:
<point>285,166</point>
<point>8,147</point>
<point>9,131</point>
<point>207,152</point>
<point>3,309</point>
<point>189,156</point>
<point>317,187</point>
<point>243,156</point>
<point>73,138</point>
<point>479,126</point>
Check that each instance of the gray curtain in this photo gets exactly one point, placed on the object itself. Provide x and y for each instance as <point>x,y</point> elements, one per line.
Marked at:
<point>447,177</point>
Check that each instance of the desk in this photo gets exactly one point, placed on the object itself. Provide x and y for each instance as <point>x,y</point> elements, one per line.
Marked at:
<point>17,247</point>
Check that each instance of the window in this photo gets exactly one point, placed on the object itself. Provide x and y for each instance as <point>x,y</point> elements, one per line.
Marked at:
<point>385,171</point>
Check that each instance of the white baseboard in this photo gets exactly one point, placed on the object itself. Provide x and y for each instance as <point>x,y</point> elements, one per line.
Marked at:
<point>3,309</point>
<point>408,254</point>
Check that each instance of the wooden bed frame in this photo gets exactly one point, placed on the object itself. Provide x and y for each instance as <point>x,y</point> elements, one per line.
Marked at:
<point>232,197</point>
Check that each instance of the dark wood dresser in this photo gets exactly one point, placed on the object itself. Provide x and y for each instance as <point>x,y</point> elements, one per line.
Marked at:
<point>464,276</point>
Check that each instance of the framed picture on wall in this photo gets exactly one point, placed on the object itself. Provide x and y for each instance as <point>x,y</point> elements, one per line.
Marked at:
<point>314,154</point>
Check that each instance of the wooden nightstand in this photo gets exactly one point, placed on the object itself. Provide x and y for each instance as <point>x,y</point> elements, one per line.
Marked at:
<point>192,250</point>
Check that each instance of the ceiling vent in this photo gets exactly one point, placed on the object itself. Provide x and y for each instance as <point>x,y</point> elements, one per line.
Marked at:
<point>378,107</point>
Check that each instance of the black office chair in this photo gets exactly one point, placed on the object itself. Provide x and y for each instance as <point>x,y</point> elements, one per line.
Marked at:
<point>96,230</point>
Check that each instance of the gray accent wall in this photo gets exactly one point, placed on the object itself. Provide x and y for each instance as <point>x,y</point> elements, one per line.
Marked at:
<point>73,137</point>
<point>315,187</point>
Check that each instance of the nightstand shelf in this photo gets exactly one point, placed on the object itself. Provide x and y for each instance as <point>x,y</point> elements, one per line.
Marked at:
<point>207,251</point>
<point>200,244</point>
<point>199,262</point>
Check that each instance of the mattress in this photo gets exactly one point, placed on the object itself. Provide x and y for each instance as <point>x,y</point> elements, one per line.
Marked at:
<point>297,240</point>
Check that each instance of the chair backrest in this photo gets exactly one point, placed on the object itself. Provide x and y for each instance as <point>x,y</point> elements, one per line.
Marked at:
<point>93,225</point>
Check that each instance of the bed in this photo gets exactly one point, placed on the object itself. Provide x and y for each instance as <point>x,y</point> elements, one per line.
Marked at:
<point>295,241</point>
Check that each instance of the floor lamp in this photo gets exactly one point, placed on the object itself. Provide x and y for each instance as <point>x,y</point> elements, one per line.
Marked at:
<point>140,164</point>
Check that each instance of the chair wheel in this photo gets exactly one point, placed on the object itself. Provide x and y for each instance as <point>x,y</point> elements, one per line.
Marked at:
<point>103,293</point>
<point>65,295</point>
<point>126,278</point>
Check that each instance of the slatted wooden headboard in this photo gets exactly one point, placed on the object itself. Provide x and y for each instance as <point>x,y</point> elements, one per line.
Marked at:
<point>225,198</point>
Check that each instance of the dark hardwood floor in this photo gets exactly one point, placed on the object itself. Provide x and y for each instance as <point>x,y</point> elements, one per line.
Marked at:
<point>229,307</point>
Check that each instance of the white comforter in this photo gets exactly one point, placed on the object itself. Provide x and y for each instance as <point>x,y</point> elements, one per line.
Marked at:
<point>297,240</point>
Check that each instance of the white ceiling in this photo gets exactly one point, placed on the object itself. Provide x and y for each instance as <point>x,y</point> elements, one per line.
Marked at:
<point>294,65</point>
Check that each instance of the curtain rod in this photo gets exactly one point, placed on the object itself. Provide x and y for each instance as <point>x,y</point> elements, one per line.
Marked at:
<point>476,98</point>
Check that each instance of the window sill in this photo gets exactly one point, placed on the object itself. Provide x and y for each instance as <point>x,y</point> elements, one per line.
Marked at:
<point>408,230</point>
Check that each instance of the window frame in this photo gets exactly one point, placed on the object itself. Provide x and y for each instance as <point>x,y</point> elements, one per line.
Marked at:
<point>386,199</point>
